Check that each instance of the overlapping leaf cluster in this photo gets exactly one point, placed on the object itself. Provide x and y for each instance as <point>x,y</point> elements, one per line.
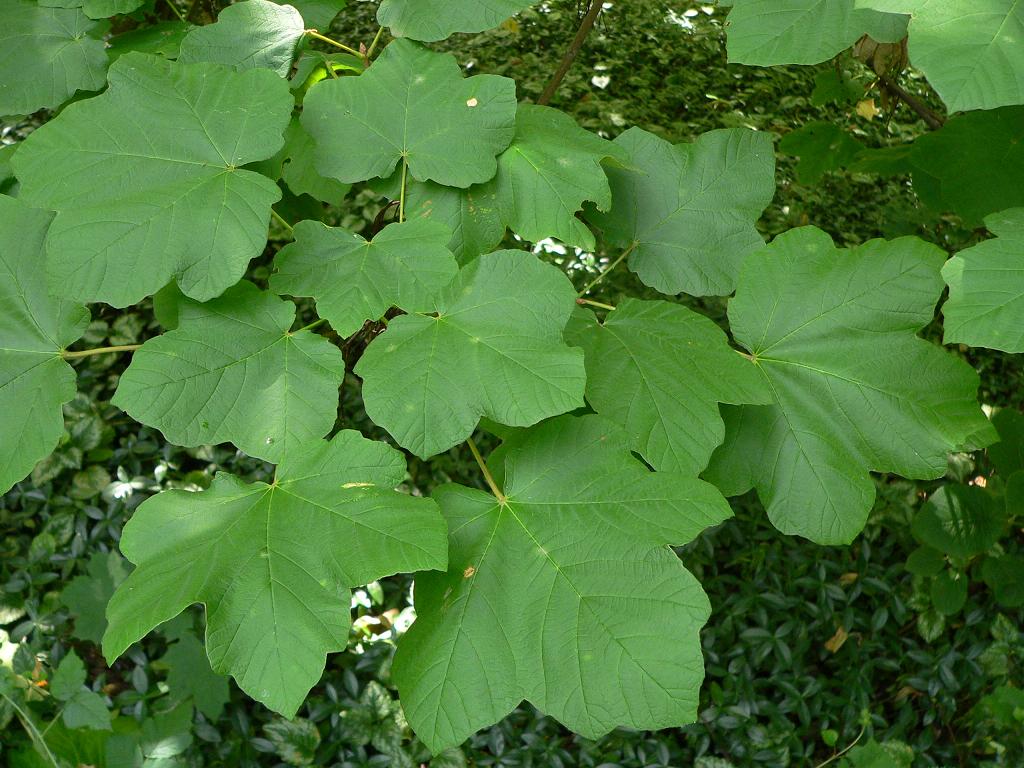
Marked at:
<point>165,184</point>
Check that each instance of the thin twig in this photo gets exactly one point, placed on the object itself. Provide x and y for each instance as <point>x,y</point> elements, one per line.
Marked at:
<point>373,45</point>
<point>574,48</point>
<point>31,728</point>
<point>622,256</point>
<point>933,120</point>
<point>99,351</point>
<point>488,477</point>
<point>850,746</point>
<point>176,11</point>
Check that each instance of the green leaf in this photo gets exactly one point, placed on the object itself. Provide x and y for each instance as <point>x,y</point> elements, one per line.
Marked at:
<point>925,561</point>
<point>1007,456</point>
<point>295,741</point>
<point>770,32</point>
<point>970,50</point>
<point>856,389</point>
<point>1005,575</point>
<point>414,104</point>
<point>82,707</point>
<point>977,161</point>
<point>46,55</point>
<point>34,328</point>
<point>659,370</point>
<point>471,215</point>
<point>949,592</point>
<point>495,349</point>
<point>256,33</point>
<point>870,755</point>
<point>689,209</point>
<point>233,372</point>
<point>353,280</point>
<point>161,39</point>
<point>189,677</point>
<point>433,20</point>
<point>272,562</point>
<point>318,14</point>
<point>96,9</point>
<point>986,288</point>
<point>564,594</point>
<point>299,170</point>
<point>959,520</point>
<point>146,182</point>
<point>821,146</point>
<point>551,168</point>
<point>86,596</point>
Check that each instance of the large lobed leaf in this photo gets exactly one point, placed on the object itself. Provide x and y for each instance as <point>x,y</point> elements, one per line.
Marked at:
<point>355,280</point>
<point>146,179</point>
<point>970,50</point>
<point>46,55</point>
<point>688,211</point>
<point>256,33</point>
<point>35,328</point>
<point>432,20</point>
<point>413,104</point>
<point>986,288</point>
<point>563,593</point>
<point>232,371</point>
<point>770,32</point>
<point>494,349</point>
<point>272,563</point>
<point>659,370</point>
<point>834,334</point>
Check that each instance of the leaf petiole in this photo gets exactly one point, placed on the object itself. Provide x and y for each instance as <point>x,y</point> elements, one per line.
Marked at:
<point>317,36</point>
<point>622,256</point>
<point>98,351</point>
<point>488,477</point>
<point>598,304</point>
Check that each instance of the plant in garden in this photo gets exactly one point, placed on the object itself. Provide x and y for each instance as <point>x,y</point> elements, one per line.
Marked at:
<point>623,426</point>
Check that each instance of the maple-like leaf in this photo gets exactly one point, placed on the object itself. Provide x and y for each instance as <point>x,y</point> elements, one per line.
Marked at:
<point>273,563</point>
<point>563,592</point>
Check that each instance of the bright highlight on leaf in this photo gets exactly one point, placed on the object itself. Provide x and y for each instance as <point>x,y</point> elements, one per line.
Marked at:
<point>272,563</point>
<point>34,328</point>
<point>551,168</point>
<point>146,179</point>
<point>689,210</point>
<point>406,265</point>
<point>411,104</point>
<point>986,288</point>
<point>856,389</point>
<point>46,55</point>
<point>564,593</point>
<point>432,20</point>
<point>233,372</point>
<point>659,370</point>
<point>495,349</point>
<point>970,50</point>
<point>256,33</point>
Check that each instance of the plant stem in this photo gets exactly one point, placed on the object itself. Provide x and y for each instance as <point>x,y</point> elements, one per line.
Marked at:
<point>401,194</point>
<point>622,256</point>
<point>99,351</point>
<point>850,746</point>
<point>280,220</point>
<point>311,326</point>
<point>595,304</point>
<point>574,48</point>
<point>931,119</point>
<point>31,728</point>
<point>314,34</point>
<point>373,45</point>
<point>175,9</point>
<point>488,477</point>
